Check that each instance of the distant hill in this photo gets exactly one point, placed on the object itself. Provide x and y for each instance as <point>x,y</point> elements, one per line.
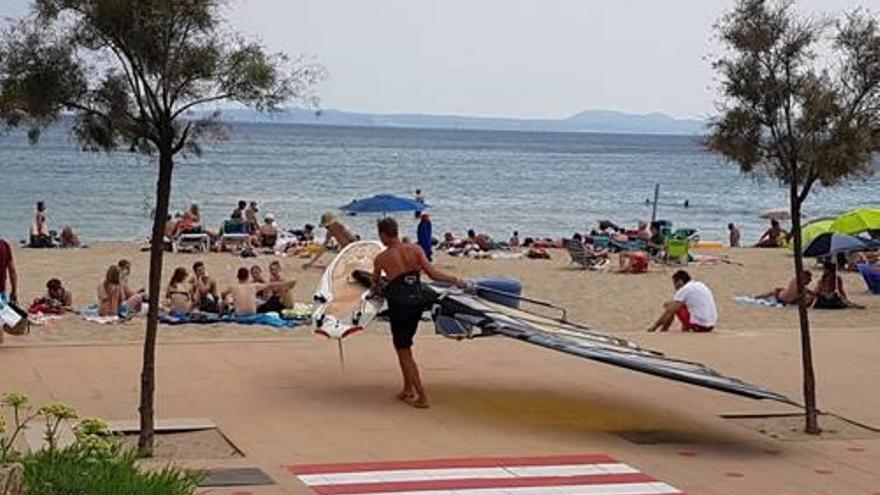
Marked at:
<point>587,121</point>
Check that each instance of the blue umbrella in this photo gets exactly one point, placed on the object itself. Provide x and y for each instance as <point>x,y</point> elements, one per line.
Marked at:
<point>831,243</point>
<point>383,203</point>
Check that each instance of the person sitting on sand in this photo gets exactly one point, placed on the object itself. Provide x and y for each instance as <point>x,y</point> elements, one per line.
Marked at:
<point>114,297</point>
<point>633,262</point>
<point>203,288</point>
<point>693,304</point>
<point>789,295</point>
<point>829,291</point>
<point>449,241</point>
<point>514,242</point>
<point>243,296</point>
<point>734,235</point>
<point>280,298</point>
<point>268,233</point>
<point>179,298</point>
<point>57,300</point>
<point>481,241</point>
<point>644,233</point>
<point>257,278</point>
<point>336,233</point>
<point>773,237</point>
<point>68,238</point>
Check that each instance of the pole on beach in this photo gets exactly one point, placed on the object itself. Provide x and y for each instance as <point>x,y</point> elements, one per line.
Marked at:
<point>656,198</point>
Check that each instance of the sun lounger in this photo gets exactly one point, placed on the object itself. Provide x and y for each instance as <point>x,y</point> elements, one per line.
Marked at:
<point>192,242</point>
<point>871,274</point>
<point>580,255</point>
<point>234,236</point>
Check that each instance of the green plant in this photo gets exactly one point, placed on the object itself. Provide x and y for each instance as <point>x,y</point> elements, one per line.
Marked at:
<point>77,470</point>
<point>20,407</point>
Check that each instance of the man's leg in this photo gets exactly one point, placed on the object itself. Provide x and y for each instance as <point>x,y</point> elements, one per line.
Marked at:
<point>684,316</point>
<point>411,371</point>
<point>407,391</point>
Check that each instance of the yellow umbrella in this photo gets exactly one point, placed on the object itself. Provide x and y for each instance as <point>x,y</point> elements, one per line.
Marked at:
<point>813,230</point>
<point>857,221</point>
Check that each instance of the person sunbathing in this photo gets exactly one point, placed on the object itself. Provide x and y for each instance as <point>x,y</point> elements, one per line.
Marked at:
<point>481,241</point>
<point>189,223</point>
<point>773,237</point>
<point>57,300</point>
<point>114,296</point>
<point>789,295</point>
<point>830,293</point>
<point>268,233</point>
<point>179,298</point>
<point>280,298</point>
<point>243,296</point>
<point>203,288</point>
<point>68,238</point>
<point>632,262</point>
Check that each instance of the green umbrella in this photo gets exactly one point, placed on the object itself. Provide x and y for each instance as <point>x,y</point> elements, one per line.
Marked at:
<point>814,230</point>
<point>857,221</point>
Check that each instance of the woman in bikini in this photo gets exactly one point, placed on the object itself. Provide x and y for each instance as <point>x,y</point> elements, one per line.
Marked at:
<point>401,264</point>
<point>113,297</point>
<point>178,294</point>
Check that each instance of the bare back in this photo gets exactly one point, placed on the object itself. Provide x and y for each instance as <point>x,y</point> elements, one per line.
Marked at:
<point>400,260</point>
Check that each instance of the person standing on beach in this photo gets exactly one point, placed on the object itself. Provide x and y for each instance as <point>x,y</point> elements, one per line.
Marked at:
<point>734,235</point>
<point>419,198</point>
<point>425,235</point>
<point>693,304</point>
<point>336,231</point>
<point>402,265</point>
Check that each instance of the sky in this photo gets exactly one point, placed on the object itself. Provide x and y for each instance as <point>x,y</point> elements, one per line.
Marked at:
<point>515,58</point>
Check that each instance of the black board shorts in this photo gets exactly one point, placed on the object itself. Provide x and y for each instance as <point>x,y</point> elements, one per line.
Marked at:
<point>404,323</point>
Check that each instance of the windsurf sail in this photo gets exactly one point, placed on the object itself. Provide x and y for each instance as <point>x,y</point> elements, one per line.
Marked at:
<point>461,315</point>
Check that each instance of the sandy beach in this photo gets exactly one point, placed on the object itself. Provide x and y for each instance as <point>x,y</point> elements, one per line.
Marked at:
<point>607,301</point>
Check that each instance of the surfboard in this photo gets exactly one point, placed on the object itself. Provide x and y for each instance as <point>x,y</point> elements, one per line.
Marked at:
<point>342,306</point>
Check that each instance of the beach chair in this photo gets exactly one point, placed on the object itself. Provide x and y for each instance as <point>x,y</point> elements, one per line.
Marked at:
<point>677,252</point>
<point>234,236</point>
<point>192,242</point>
<point>871,274</point>
<point>601,241</point>
<point>580,255</point>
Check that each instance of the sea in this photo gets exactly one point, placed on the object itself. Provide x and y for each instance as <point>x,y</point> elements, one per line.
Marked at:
<point>536,183</point>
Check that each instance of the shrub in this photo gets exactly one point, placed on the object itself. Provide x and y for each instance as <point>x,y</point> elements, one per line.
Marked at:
<point>76,470</point>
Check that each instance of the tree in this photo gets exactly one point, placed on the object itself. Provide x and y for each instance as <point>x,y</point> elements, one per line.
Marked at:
<point>132,72</point>
<point>787,114</point>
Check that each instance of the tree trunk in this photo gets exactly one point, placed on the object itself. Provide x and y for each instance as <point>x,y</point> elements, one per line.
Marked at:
<point>157,250</point>
<point>812,420</point>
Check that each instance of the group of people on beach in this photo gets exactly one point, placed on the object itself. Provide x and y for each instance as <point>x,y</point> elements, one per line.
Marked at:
<point>41,236</point>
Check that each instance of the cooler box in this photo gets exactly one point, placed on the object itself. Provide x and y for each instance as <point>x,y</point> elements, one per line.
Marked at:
<point>500,290</point>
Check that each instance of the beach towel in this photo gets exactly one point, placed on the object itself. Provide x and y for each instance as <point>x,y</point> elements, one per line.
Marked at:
<point>766,302</point>
<point>268,319</point>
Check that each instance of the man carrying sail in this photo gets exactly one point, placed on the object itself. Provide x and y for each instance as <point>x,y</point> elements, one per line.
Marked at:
<point>402,264</point>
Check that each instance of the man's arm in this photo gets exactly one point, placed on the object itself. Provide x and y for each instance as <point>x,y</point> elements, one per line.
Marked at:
<point>671,308</point>
<point>377,275</point>
<point>438,275</point>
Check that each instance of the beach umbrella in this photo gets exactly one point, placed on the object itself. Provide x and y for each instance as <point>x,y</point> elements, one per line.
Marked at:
<point>812,230</point>
<point>857,221</point>
<point>776,214</point>
<point>383,203</point>
<point>831,243</point>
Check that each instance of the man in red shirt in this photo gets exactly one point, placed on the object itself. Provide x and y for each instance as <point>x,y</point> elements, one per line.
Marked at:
<point>7,266</point>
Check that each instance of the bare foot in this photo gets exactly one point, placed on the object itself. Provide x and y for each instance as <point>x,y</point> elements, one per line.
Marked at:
<point>418,402</point>
<point>405,396</point>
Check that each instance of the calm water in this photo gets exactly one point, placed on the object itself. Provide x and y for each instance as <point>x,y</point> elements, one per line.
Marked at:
<point>538,183</point>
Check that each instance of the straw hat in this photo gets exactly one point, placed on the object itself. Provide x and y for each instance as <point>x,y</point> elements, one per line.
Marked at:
<point>327,219</point>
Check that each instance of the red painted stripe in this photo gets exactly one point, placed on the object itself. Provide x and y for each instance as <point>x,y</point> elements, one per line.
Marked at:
<point>478,483</point>
<point>350,331</point>
<point>321,332</point>
<point>486,462</point>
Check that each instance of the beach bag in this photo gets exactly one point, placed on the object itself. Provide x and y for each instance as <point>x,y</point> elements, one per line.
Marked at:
<point>14,319</point>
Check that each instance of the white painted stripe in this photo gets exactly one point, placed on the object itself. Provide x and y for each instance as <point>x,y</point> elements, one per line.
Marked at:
<point>464,473</point>
<point>655,488</point>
